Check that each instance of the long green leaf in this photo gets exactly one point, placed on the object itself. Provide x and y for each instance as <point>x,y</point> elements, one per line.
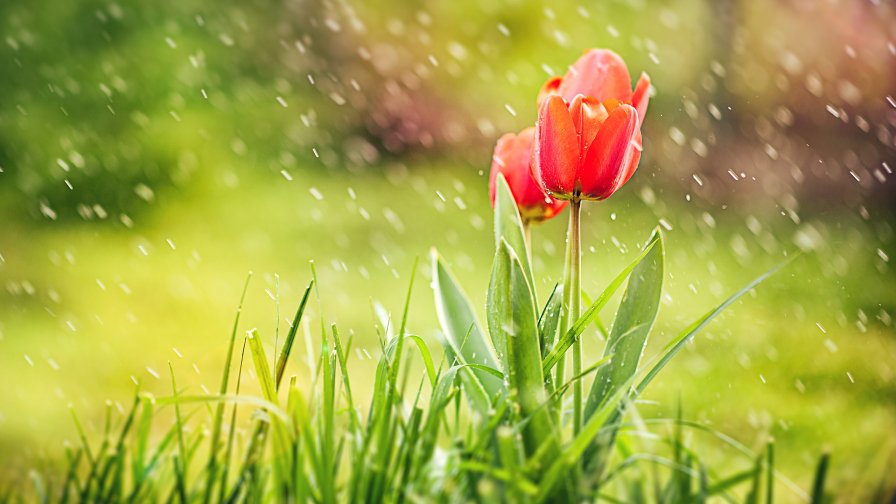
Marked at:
<point>549,321</point>
<point>465,341</point>
<point>674,346</point>
<point>634,319</point>
<point>509,228</point>
<point>512,319</point>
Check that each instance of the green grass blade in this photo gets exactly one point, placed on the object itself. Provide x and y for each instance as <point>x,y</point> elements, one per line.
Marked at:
<point>228,450</point>
<point>770,473</point>
<point>426,355</point>
<point>219,409</point>
<point>818,483</point>
<point>71,476</point>
<point>291,337</point>
<point>327,423</point>
<point>342,360</point>
<point>140,450</point>
<point>281,446</point>
<point>727,483</point>
<point>755,483</point>
<point>181,462</point>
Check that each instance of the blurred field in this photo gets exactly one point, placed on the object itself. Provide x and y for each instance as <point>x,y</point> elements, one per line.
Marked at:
<point>152,155</point>
<point>807,360</point>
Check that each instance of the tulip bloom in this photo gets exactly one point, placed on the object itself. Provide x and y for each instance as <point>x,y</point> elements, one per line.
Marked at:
<point>587,145</point>
<point>512,157</point>
<point>588,134</point>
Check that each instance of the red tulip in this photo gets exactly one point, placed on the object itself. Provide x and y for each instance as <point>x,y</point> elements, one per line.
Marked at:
<point>513,155</point>
<point>588,134</point>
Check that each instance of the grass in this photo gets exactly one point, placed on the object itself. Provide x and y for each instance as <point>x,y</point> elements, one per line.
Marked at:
<point>295,454</point>
<point>740,379</point>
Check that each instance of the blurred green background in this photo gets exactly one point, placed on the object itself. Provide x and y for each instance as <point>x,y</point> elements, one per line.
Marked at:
<point>152,154</point>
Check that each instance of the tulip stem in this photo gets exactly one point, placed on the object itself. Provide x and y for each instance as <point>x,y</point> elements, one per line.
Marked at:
<point>575,290</point>
<point>564,318</point>
<point>527,235</point>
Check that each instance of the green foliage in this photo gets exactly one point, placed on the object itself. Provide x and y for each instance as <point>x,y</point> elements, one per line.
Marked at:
<point>464,340</point>
<point>309,438</point>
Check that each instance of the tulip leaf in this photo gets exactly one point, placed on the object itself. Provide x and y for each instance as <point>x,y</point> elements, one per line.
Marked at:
<point>573,452</point>
<point>628,337</point>
<point>512,321</point>
<point>509,227</point>
<point>566,340</point>
<point>634,319</point>
<point>549,321</point>
<point>464,339</point>
<point>674,346</point>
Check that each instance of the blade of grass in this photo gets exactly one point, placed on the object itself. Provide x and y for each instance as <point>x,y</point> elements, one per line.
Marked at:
<point>180,463</point>
<point>281,442</point>
<point>228,450</point>
<point>821,472</point>
<point>770,473</point>
<point>219,409</point>
<point>291,336</point>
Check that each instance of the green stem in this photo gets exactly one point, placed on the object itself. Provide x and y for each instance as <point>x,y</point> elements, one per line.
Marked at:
<point>527,235</point>
<point>575,246</point>
<point>560,368</point>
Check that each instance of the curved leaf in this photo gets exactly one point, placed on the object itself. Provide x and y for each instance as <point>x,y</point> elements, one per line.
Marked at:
<point>464,339</point>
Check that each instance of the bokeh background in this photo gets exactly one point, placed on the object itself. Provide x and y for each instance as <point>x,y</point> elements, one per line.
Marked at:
<point>154,153</point>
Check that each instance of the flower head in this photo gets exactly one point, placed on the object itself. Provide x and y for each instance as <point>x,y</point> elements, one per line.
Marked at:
<point>512,157</point>
<point>588,134</point>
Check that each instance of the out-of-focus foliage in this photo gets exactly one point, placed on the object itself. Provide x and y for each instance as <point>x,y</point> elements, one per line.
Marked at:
<point>106,103</point>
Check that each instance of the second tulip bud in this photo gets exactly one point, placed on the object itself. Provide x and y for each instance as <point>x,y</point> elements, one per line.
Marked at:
<point>512,158</point>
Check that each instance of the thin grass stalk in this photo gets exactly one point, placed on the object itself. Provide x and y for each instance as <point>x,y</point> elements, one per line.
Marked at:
<point>225,470</point>
<point>219,409</point>
<point>180,465</point>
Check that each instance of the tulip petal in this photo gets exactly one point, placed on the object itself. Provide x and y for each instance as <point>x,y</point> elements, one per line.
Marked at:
<point>499,163</point>
<point>599,73</point>
<point>549,88</point>
<point>511,158</point>
<point>556,148</point>
<point>641,96</point>
<point>587,115</point>
<point>633,162</point>
<point>606,161</point>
